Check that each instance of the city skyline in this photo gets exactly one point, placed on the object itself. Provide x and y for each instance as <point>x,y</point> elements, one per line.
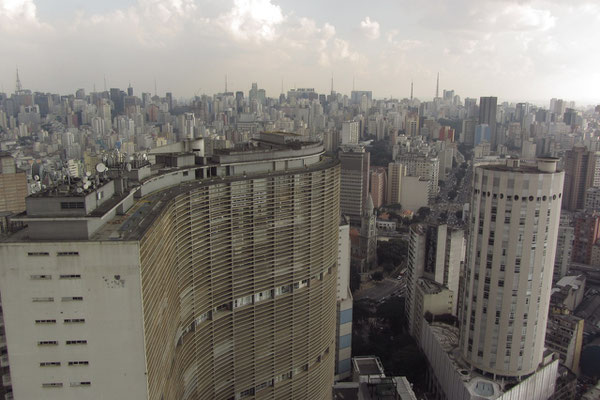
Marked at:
<point>513,50</point>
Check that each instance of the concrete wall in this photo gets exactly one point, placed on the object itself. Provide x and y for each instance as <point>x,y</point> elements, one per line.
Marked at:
<point>109,284</point>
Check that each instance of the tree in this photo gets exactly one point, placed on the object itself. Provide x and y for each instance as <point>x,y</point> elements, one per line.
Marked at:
<point>423,212</point>
<point>378,276</point>
<point>393,251</point>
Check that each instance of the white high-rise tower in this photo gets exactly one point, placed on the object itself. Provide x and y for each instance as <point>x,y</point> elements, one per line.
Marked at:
<point>510,258</point>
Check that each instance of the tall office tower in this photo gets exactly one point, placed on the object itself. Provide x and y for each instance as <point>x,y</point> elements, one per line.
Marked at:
<point>487,115</point>
<point>581,173</point>
<point>515,213</point>
<point>355,181</point>
<point>117,97</point>
<point>435,255</point>
<point>214,280</point>
<point>343,350</point>
<point>468,131</point>
<point>377,183</point>
<point>396,171</point>
<point>586,234</point>
<point>350,132</point>
<point>169,97</point>
<point>13,185</point>
<point>411,124</point>
<point>471,107</point>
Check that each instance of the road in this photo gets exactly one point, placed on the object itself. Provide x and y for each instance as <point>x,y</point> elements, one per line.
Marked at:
<point>379,291</point>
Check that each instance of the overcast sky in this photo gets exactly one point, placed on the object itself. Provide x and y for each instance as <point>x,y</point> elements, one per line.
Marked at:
<point>518,50</point>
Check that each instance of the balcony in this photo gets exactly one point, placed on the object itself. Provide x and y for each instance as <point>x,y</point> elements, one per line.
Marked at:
<point>4,361</point>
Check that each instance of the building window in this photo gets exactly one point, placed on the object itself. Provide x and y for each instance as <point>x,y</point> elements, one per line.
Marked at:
<point>72,298</point>
<point>76,384</point>
<point>42,299</point>
<point>40,277</point>
<point>67,205</point>
<point>50,364</point>
<point>77,363</point>
<point>52,385</point>
<point>38,253</point>
<point>71,276</point>
<point>67,253</point>
<point>74,321</point>
<point>69,342</point>
<point>47,343</point>
<point>45,321</point>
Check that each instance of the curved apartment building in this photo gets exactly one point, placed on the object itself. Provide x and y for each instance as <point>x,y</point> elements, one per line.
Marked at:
<point>226,283</point>
<point>510,258</point>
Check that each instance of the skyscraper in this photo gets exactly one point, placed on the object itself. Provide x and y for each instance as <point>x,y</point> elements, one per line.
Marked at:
<point>510,257</point>
<point>354,181</point>
<point>581,173</point>
<point>487,115</point>
<point>214,280</point>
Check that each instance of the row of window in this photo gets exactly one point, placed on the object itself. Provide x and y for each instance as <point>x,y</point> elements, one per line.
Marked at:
<point>55,342</point>
<point>51,299</point>
<point>516,196</point>
<point>66,321</point>
<point>58,253</point>
<point>59,384</point>
<point>46,277</point>
<point>58,363</point>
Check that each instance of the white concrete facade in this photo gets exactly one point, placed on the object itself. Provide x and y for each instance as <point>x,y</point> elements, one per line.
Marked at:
<point>63,300</point>
<point>510,259</point>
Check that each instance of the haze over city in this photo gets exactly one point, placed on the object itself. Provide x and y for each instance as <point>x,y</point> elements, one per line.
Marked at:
<point>516,50</point>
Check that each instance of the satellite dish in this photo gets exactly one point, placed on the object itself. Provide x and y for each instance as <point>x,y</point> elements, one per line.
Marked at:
<point>88,173</point>
<point>37,177</point>
<point>79,184</point>
<point>130,158</point>
<point>85,179</point>
<point>86,186</point>
<point>128,167</point>
<point>100,167</point>
<point>79,190</point>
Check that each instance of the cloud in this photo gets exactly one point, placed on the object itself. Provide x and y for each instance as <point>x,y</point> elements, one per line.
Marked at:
<point>18,15</point>
<point>252,20</point>
<point>370,28</point>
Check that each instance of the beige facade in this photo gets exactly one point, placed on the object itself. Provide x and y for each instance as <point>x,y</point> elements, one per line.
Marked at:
<point>515,213</point>
<point>213,281</point>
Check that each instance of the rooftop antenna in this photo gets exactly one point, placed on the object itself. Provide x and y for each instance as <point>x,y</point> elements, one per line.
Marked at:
<point>437,86</point>
<point>105,82</point>
<point>332,82</point>
<point>411,90</point>
<point>19,87</point>
<point>94,87</point>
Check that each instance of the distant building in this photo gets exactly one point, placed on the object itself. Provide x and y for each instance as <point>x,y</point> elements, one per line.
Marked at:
<point>487,115</point>
<point>581,173</point>
<point>377,184</point>
<point>395,173</point>
<point>13,185</point>
<point>350,132</point>
<point>354,188</point>
<point>343,349</point>
<point>564,336</point>
<point>586,234</point>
